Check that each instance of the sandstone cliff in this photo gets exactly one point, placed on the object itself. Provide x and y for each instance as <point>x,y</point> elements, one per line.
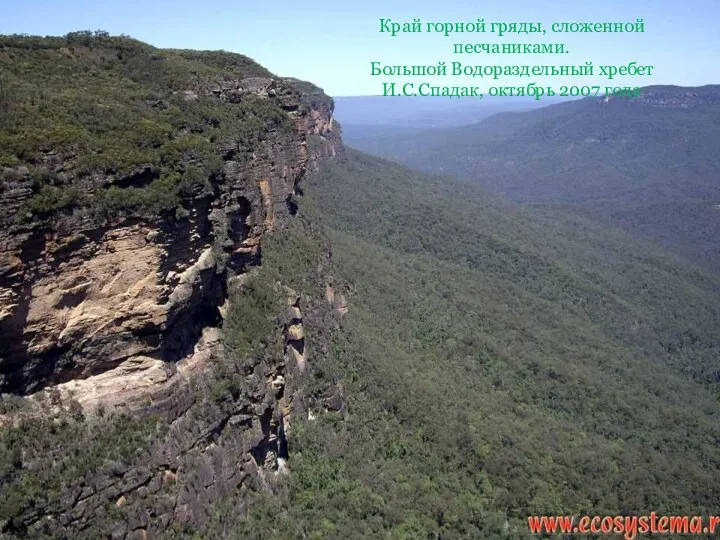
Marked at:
<point>125,309</point>
<point>81,298</point>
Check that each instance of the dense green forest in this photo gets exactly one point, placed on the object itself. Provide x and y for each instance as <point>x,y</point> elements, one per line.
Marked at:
<point>496,360</point>
<point>499,362</point>
<point>648,164</point>
<point>134,140</point>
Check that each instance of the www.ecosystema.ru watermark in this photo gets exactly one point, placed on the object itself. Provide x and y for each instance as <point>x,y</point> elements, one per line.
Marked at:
<point>629,526</point>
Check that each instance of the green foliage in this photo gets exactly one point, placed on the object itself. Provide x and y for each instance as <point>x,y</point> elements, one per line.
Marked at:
<point>109,105</point>
<point>289,257</point>
<point>648,168</point>
<point>293,253</point>
<point>633,293</point>
<point>249,320</point>
<point>42,455</point>
<point>51,199</point>
<point>162,194</point>
<point>498,362</point>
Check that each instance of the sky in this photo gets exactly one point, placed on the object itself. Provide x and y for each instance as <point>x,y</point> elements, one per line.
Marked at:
<point>332,43</point>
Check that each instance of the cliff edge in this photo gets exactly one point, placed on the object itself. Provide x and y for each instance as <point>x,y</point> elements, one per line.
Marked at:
<point>137,188</point>
<point>122,213</point>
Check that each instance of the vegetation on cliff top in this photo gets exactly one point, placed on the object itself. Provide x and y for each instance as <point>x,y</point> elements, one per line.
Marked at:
<point>115,124</point>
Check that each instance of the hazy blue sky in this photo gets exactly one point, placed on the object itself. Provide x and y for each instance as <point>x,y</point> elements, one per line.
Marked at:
<point>332,43</point>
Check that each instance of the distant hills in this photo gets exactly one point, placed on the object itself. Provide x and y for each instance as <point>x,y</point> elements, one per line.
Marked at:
<point>367,117</point>
<point>650,164</point>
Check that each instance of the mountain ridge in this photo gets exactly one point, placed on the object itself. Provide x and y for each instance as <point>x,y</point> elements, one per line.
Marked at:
<point>605,157</point>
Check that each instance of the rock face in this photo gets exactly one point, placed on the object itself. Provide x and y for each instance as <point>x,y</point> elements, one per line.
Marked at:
<point>212,449</point>
<point>80,299</point>
<point>128,314</point>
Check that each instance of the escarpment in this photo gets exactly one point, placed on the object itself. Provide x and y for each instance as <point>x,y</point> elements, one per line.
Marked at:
<point>82,295</point>
<point>116,276</point>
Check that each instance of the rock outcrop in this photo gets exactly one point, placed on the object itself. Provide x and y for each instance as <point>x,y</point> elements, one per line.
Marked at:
<point>219,440</point>
<point>127,314</point>
<point>80,299</point>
